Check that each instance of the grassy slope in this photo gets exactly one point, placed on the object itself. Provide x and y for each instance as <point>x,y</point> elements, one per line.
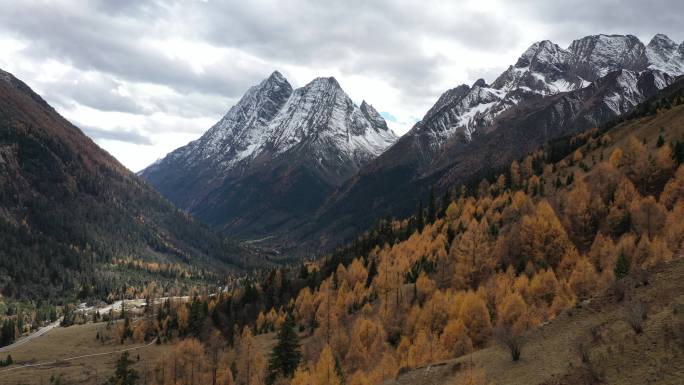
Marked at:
<point>79,340</point>
<point>549,356</point>
<point>70,342</point>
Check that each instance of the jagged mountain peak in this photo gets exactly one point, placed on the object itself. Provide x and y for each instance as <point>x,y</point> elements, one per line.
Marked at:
<point>373,116</point>
<point>665,55</point>
<point>596,55</point>
<point>232,138</point>
<point>444,100</point>
<point>275,80</point>
<point>545,69</point>
<point>274,154</point>
<point>542,69</point>
<point>480,83</point>
<point>322,111</point>
<point>277,76</point>
<point>601,40</point>
<point>542,52</point>
<point>662,40</point>
<point>325,80</point>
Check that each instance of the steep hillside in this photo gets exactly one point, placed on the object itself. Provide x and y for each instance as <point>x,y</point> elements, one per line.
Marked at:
<point>599,329</point>
<point>563,248</point>
<point>273,158</point>
<point>67,208</point>
<point>559,268</point>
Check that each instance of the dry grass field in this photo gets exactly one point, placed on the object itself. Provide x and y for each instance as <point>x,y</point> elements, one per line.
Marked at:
<point>64,343</point>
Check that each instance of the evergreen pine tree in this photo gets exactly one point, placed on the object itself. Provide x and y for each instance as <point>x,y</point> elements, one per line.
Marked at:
<point>420,220</point>
<point>286,355</point>
<point>372,272</point>
<point>678,153</point>
<point>621,266</point>
<point>124,374</point>
<point>661,141</point>
<point>127,331</point>
<point>432,207</point>
<point>570,179</point>
<point>339,370</point>
<point>445,202</point>
<point>7,332</point>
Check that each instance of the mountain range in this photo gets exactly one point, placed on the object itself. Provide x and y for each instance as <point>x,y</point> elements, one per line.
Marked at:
<point>308,165</point>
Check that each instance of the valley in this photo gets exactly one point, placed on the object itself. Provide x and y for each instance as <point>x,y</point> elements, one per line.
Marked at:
<point>522,229</point>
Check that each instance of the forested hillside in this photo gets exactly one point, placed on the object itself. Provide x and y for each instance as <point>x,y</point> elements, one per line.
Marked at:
<point>69,211</point>
<point>499,258</point>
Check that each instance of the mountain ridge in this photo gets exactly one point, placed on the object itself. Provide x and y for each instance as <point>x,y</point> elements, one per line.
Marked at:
<point>430,150</point>
<point>439,148</point>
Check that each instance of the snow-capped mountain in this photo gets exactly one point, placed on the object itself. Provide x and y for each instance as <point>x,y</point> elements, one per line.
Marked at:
<point>309,163</point>
<point>260,147</point>
<point>546,69</point>
<point>244,131</point>
<point>548,93</point>
<point>271,118</point>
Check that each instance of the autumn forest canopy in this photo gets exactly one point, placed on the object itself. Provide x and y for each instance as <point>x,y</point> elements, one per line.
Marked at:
<point>482,266</point>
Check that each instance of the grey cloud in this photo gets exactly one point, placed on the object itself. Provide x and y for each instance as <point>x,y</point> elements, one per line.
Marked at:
<point>100,42</point>
<point>194,105</point>
<point>118,134</point>
<point>381,39</point>
<point>489,74</point>
<point>98,93</point>
<point>577,18</point>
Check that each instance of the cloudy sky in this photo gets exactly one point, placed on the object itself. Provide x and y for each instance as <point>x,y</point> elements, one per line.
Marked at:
<point>143,78</point>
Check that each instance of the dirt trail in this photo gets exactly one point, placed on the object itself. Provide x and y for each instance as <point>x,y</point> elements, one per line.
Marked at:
<point>55,362</point>
<point>42,331</point>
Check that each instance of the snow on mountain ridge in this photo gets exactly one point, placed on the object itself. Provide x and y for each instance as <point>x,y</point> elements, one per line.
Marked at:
<point>243,129</point>
<point>271,118</point>
<point>594,56</point>
<point>665,55</point>
<point>323,109</point>
<point>547,69</point>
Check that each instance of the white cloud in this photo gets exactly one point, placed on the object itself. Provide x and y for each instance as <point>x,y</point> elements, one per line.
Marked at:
<point>146,77</point>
